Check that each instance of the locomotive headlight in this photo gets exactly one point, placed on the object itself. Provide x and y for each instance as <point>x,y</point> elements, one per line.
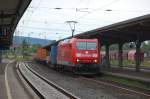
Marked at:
<point>78,60</point>
<point>78,55</point>
<point>95,60</point>
<point>94,55</point>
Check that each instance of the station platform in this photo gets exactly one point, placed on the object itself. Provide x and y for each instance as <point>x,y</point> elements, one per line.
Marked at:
<point>3,94</point>
<point>129,73</point>
<point>11,85</point>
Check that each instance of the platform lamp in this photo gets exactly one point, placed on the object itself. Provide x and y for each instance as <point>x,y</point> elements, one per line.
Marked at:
<point>72,26</point>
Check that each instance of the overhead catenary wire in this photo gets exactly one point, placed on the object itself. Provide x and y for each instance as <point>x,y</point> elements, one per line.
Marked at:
<point>79,14</point>
<point>102,7</point>
<point>36,7</point>
<point>49,29</point>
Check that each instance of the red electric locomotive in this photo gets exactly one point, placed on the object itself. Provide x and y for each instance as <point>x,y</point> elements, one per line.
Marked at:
<point>79,55</point>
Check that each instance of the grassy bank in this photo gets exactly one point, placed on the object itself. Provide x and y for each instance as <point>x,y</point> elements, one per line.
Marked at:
<point>128,82</point>
<point>128,63</point>
<point>23,58</point>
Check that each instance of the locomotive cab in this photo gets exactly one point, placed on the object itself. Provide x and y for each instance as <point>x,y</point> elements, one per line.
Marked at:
<point>79,55</point>
<point>87,56</point>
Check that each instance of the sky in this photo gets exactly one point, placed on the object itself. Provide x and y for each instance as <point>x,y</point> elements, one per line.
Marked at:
<point>47,19</point>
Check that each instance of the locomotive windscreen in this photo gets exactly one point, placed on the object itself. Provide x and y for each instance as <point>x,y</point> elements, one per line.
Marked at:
<point>86,46</point>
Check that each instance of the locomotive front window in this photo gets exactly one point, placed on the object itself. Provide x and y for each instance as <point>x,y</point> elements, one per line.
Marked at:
<point>86,46</point>
<point>81,45</point>
<point>91,46</point>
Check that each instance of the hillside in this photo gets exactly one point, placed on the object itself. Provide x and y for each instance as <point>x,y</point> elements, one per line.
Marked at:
<point>17,40</point>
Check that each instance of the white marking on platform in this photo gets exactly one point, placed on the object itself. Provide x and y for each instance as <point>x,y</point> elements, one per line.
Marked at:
<point>6,83</point>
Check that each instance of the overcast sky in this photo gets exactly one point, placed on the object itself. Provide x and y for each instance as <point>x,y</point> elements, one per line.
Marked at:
<point>44,20</point>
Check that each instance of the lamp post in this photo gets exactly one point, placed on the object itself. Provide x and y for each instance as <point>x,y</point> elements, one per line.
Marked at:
<point>72,26</point>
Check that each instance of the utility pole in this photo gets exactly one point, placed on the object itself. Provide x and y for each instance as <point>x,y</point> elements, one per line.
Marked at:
<point>72,26</point>
<point>28,39</point>
<point>45,39</point>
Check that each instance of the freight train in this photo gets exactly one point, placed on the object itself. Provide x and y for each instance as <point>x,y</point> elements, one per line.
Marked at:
<point>80,56</point>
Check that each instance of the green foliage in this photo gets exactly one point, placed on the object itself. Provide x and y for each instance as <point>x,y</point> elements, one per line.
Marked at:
<point>102,48</point>
<point>128,63</point>
<point>128,46</point>
<point>25,47</point>
<point>114,47</point>
<point>34,47</point>
<point>146,63</point>
<point>114,62</point>
<point>22,52</point>
<point>146,47</point>
<point>125,63</point>
<point>28,50</point>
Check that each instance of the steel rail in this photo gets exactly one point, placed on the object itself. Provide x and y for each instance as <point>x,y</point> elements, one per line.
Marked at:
<point>62,90</point>
<point>29,83</point>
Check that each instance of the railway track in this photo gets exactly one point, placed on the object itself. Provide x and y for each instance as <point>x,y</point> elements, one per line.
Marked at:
<point>26,72</point>
<point>120,92</point>
<point>116,86</point>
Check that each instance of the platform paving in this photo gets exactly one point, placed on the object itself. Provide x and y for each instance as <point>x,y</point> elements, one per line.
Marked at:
<point>3,94</point>
<point>12,83</point>
<point>17,89</point>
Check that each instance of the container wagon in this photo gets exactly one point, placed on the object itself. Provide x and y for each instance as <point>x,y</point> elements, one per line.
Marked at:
<point>53,56</point>
<point>80,56</point>
<point>42,56</point>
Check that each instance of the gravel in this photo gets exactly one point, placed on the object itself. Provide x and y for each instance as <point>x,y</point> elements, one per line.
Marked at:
<point>81,88</point>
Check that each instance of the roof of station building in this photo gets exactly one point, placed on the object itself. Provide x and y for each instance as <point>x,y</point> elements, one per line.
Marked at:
<point>127,31</point>
<point>10,13</point>
<point>122,32</point>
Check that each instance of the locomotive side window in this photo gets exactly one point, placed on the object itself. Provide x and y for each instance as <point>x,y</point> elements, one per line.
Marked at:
<point>91,46</point>
<point>86,46</point>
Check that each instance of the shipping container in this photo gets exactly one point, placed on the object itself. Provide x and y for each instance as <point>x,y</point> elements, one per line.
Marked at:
<point>53,55</point>
<point>41,55</point>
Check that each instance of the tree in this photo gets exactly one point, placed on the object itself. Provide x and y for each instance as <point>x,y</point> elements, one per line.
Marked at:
<point>146,46</point>
<point>25,47</point>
